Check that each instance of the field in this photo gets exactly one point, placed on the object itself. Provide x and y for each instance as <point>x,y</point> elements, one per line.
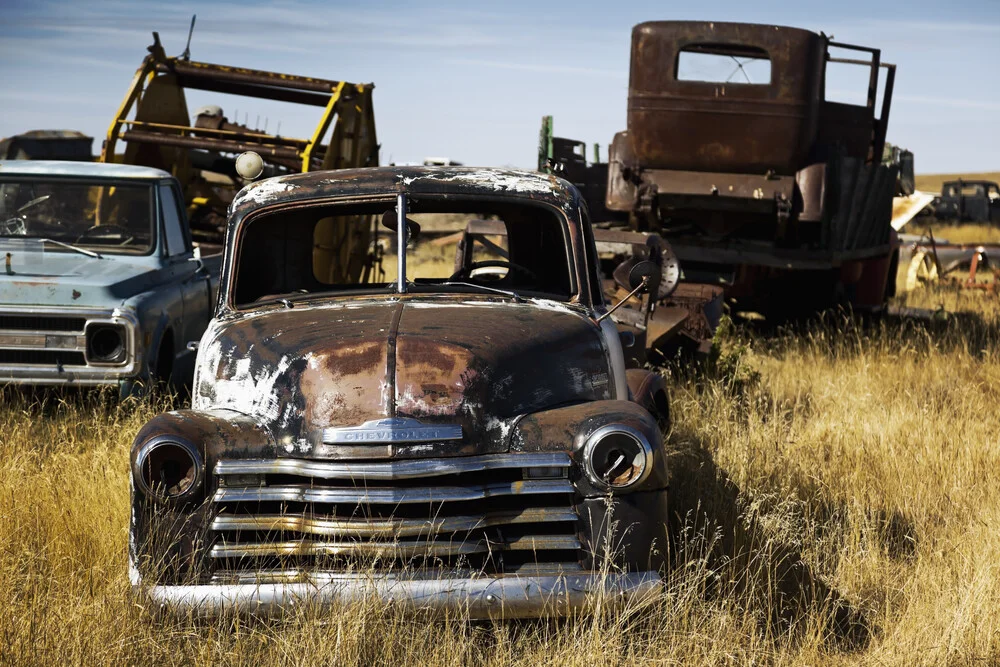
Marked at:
<point>837,492</point>
<point>932,182</point>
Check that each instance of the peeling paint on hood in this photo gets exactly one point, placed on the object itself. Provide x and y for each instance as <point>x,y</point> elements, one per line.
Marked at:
<point>501,181</point>
<point>262,192</point>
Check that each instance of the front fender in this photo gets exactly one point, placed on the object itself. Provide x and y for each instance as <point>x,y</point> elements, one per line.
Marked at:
<point>157,311</point>
<point>568,428</point>
<point>623,529</point>
<point>166,539</point>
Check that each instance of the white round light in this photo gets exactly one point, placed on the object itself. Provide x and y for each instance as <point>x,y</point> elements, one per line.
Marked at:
<point>249,165</point>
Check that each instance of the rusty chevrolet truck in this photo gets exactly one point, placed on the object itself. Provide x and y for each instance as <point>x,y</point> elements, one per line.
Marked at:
<point>446,428</point>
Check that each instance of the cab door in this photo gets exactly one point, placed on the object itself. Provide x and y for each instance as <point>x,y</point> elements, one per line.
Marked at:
<point>189,274</point>
<point>993,194</point>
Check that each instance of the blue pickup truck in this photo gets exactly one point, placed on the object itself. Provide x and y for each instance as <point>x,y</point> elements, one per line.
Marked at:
<point>101,282</point>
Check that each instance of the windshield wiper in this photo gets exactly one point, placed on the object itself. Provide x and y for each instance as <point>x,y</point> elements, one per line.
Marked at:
<point>82,251</point>
<point>459,283</point>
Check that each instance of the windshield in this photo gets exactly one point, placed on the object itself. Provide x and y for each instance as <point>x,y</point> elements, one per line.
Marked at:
<point>109,217</point>
<point>516,248</point>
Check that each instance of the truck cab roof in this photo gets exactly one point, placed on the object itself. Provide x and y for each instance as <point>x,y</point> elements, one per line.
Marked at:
<point>79,169</point>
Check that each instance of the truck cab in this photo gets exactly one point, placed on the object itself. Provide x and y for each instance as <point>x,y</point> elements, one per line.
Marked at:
<point>411,418</point>
<point>102,285</point>
<point>969,201</point>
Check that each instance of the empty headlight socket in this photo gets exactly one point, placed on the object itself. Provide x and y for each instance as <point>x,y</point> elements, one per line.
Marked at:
<point>169,469</point>
<point>107,343</point>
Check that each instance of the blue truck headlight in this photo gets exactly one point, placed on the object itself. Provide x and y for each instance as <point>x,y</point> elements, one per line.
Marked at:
<point>106,343</point>
<point>169,468</point>
<point>617,457</point>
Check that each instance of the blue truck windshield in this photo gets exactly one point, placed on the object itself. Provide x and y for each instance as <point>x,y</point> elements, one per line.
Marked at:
<point>110,217</point>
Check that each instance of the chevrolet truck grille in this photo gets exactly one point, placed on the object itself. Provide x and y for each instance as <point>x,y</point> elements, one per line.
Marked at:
<point>494,513</point>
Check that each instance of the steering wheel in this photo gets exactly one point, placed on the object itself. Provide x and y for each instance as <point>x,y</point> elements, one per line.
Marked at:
<point>465,271</point>
<point>13,227</point>
<point>33,202</point>
<point>112,230</point>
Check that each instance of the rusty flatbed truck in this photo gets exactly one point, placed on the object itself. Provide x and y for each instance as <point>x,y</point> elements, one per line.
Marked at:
<point>449,436</point>
<point>156,126</point>
<point>765,188</point>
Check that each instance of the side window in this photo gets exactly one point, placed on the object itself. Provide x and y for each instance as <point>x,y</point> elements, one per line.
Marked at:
<point>173,223</point>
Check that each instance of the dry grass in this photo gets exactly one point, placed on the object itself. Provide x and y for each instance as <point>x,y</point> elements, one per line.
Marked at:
<point>837,492</point>
<point>932,182</point>
<point>954,233</point>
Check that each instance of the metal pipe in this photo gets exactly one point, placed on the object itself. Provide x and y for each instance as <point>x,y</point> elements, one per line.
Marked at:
<point>401,243</point>
<point>210,143</point>
<point>241,75</point>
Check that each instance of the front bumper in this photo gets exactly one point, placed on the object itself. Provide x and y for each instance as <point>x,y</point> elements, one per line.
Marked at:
<point>47,345</point>
<point>482,597</point>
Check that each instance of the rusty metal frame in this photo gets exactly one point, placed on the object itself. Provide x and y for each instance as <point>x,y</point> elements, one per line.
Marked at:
<point>289,152</point>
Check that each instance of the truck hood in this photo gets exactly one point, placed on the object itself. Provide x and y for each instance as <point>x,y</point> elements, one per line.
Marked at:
<point>57,278</point>
<point>478,364</point>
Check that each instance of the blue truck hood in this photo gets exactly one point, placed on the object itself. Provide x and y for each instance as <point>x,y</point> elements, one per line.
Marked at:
<point>56,278</point>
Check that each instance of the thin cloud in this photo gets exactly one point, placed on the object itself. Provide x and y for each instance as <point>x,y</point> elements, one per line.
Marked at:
<point>51,98</point>
<point>936,26</point>
<point>536,67</point>
<point>957,103</point>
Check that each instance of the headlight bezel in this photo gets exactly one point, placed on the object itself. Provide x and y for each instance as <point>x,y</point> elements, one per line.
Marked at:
<point>193,489</point>
<point>643,448</point>
<point>95,329</point>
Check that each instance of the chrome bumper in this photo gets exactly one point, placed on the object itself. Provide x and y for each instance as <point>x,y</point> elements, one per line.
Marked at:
<point>69,338</point>
<point>484,597</point>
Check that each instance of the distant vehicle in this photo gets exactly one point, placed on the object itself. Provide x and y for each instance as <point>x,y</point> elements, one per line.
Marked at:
<point>47,145</point>
<point>767,185</point>
<point>102,285</point>
<point>441,162</point>
<point>968,201</point>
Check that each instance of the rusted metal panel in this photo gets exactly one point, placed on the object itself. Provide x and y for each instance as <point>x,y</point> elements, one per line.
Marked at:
<point>724,127</point>
<point>476,363</point>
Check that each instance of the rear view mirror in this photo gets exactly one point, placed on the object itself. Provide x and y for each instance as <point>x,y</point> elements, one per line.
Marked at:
<point>641,275</point>
<point>629,274</point>
<point>390,221</point>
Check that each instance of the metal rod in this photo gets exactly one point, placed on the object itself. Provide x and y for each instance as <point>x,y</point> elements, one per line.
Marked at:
<point>401,243</point>
<point>645,284</point>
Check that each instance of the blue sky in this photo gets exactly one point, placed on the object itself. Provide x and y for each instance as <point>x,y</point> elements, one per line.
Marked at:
<point>470,80</point>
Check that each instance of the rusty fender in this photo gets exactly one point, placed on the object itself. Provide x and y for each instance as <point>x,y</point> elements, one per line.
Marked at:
<point>215,434</point>
<point>167,536</point>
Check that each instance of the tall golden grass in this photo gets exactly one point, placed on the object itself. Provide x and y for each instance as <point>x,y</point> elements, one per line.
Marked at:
<point>836,490</point>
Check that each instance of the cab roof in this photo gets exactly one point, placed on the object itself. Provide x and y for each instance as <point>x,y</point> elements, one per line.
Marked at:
<point>78,169</point>
<point>375,181</point>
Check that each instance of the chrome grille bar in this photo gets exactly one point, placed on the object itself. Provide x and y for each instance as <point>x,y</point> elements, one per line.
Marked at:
<point>388,527</point>
<point>320,576</point>
<point>400,549</point>
<point>390,496</point>
<point>392,470</point>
